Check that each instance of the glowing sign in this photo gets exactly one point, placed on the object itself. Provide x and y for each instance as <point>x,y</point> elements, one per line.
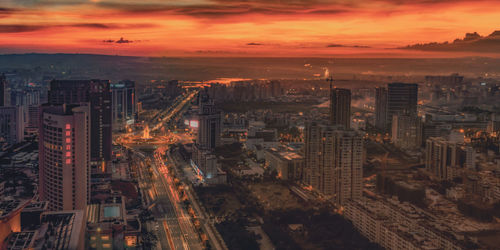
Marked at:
<point>68,141</point>
<point>193,123</point>
<point>186,122</point>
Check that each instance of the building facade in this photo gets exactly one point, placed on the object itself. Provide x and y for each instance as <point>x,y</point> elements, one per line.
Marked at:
<point>64,147</point>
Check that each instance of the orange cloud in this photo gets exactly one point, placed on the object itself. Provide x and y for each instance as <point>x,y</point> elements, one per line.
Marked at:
<point>223,27</point>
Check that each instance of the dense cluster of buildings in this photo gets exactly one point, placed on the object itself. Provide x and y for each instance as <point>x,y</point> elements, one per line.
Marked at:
<point>74,122</point>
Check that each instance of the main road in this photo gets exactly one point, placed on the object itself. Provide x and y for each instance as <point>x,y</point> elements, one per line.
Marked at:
<point>172,223</point>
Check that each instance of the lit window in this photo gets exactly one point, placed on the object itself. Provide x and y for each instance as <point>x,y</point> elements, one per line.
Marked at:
<point>68,161</point>
<point>68,133</point>
<point>68,126</point>
<point>68,147</point>
<point>68,140</point>
<point>68,154</point>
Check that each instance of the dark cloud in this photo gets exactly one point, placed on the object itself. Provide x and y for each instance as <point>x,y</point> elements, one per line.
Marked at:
<point>335,45</point>
<point>254,44</point>
<point>19,28</point>
<point>472,42</point>
<point>123,41</point>
<point>12,28</point>
<point>119,41</point>
<point>220,9</point>
<point>4,12</point>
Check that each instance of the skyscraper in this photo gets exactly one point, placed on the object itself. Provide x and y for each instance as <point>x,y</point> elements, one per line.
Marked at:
<point>333,161</point>
<point>381,108</point>
<point>98,94</point>
<point>340,107</point>
<point>64,171</point>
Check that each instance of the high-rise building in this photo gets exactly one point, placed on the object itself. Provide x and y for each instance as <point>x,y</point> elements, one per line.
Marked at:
<point>340,107</point>
<point>98,94</point>
<point>64,170</point>
<point>12,124</point>
<point>401,98</point>
<point>348,165</point>
<point>318,157</point>
<point>333,161</point>
<point>209,129</point>
<point>4,91</point>
<point>398,98</point>
<point>381,108</point>
<point>407,131</point>
<point>123,103</point>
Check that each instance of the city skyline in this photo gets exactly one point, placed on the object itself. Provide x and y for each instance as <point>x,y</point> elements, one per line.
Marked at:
<point>246,28</point>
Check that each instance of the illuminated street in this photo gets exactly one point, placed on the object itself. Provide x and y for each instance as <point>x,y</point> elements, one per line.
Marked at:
<point>173,224</point>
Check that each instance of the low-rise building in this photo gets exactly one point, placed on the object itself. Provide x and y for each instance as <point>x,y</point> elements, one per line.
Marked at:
<point>287,162</point>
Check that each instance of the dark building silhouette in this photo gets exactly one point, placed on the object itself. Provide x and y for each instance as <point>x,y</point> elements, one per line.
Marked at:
<point>398,98</point>
<point>381,108</point>
<point>98,94</point>
<point>209,119</point>
<point>4,100</point>
<point>340,107</point>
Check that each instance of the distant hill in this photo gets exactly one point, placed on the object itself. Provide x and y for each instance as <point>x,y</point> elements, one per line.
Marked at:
<point>472,42</point>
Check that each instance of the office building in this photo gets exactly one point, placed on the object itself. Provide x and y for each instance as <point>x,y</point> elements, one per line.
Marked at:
<point>123,104</point>
<point>11,124</point>
<point>407,131</point>
<point>64,172</point>
<point>98,94</point>
<point>333,161</point>
<point>340,107</point>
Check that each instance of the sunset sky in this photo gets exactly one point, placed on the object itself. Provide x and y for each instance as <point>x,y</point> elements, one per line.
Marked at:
<point>240,28</point>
